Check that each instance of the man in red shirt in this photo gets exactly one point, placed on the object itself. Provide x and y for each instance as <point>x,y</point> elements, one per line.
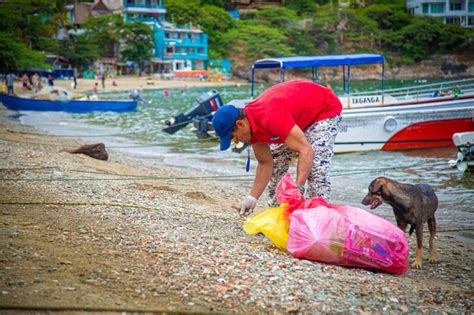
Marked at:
<point>291,117</point>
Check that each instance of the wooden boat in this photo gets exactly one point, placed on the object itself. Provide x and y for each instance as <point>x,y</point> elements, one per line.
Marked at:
<point>406,118</point>
<point>73,106</point>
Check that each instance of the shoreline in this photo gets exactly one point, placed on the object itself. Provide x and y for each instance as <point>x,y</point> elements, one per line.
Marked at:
<point>129,83</point>
<point>92,236</point>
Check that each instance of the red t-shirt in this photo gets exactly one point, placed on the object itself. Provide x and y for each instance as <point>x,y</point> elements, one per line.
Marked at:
<point>275,112</point>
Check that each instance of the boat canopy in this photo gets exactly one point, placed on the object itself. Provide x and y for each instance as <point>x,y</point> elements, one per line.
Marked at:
<point>314,62</point>
<point>318,61</point>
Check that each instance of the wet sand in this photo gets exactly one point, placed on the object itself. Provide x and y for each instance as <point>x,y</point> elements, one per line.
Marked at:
<point>81,234</point>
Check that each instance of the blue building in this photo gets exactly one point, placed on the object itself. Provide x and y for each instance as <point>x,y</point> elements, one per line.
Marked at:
<point>176,47</point>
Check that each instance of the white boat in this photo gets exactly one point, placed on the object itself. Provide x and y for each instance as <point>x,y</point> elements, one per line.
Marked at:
<point>419,116</point>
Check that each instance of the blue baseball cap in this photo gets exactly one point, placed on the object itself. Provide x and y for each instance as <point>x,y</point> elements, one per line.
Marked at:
<point>223,123</point>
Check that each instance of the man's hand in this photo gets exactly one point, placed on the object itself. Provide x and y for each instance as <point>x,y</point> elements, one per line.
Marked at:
<point>247,205</point>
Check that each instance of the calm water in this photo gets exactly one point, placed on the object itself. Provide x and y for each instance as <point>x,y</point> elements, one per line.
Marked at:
<point>139,134</point>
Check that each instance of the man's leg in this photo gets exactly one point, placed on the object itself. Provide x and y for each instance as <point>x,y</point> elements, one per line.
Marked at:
<point>281,162</point>
<point>321,136</point>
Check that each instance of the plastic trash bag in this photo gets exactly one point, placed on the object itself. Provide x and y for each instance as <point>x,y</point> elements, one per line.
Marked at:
<point>272,224</point>
<point>341,235</point>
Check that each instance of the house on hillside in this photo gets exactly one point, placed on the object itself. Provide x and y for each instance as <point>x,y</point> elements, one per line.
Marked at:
<point>450,11</point>
<point>177,48</point>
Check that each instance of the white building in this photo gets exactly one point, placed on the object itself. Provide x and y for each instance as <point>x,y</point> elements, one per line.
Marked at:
<point>451,11</point>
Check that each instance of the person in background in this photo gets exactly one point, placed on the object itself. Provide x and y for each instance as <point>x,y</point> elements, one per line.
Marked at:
<point>50,80</point>
<point>291,117</point>
<point>24,81</point>
<point>74,82</point>
<point>9,80</point>
<point>102,78</point>
<point>135,95</point>
<point>36,82</point>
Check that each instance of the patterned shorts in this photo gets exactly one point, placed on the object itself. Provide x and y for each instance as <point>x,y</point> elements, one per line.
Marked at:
<point>321,136</point>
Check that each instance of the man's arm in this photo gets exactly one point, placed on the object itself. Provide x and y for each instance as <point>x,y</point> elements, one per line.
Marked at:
<point>264,168</point>
<point>296,141</point>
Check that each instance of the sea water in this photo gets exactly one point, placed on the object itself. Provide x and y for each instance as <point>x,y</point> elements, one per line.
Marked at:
<point>139,134</point>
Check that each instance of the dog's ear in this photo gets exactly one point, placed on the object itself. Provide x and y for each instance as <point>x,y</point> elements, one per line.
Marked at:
<point>377,186</point>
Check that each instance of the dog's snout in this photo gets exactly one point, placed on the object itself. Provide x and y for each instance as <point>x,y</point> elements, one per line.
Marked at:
<point>367,200</point>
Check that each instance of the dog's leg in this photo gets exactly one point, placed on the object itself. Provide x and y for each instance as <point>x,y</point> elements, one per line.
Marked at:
<point>432,228</point>
<point>419,246</point>
<point>402,225</point>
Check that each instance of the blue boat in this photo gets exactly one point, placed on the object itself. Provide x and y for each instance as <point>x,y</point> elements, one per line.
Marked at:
<point>72,106</point>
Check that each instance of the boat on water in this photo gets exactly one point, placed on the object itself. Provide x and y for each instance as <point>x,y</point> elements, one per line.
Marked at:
<point>66,105</point>
<point>421,116</point>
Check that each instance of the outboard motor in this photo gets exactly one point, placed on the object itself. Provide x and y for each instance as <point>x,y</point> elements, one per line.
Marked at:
<point>464,141</point>
<point>200,114</point>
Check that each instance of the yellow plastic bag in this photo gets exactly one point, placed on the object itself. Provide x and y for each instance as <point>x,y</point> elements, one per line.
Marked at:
<point>4,88</point>
<point>272,224</point>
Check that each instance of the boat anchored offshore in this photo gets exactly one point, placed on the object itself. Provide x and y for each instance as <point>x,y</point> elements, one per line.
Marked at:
<point>421,116</point>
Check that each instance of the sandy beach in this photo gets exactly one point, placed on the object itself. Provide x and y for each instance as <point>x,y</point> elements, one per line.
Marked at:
<point>79,234</point>
<point>128,83</point>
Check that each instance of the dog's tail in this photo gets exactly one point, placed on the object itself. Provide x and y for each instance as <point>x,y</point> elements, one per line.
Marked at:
<point>412,228</point>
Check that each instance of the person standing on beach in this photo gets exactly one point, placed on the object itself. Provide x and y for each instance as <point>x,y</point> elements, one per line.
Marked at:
<point>102,78</point>
<point>24,81</point>
<point>74,82</point>
<point>291,117</point>
<point>50,80</point>
<point>10,80</point>
<point>36,82</point>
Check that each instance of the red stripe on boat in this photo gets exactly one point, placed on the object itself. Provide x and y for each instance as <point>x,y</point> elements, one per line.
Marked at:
<point>429,134</point>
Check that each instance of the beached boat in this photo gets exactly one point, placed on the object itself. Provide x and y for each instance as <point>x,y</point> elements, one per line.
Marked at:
<point>74,106</point>
<point>419,116</point>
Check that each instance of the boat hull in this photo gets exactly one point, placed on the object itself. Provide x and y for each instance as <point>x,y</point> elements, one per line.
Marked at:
<point>73,106</point>
<point>421,125</point>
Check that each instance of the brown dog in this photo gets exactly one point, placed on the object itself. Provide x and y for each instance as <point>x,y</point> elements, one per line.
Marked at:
<point>412,204</point>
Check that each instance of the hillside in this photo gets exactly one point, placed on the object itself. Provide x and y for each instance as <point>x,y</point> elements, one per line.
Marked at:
<point>413,46</point>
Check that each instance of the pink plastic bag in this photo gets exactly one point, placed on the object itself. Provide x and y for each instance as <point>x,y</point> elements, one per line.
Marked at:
<point>341,235</point>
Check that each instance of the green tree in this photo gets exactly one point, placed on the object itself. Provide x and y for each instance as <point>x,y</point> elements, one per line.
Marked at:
<point>452,37</point>
<point>29,27</point>
<point>419,39</point>
<point>217,3</point>
<point>279,18</point>
<point>183,12</point>
<point>303,7</point>
<point>79,49</point>
<point>388,17</point>
<point>16,55</point>
<point>258,41</point>
<point>137,42</point>
<point>215,22</point>
<point>104,32</point>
